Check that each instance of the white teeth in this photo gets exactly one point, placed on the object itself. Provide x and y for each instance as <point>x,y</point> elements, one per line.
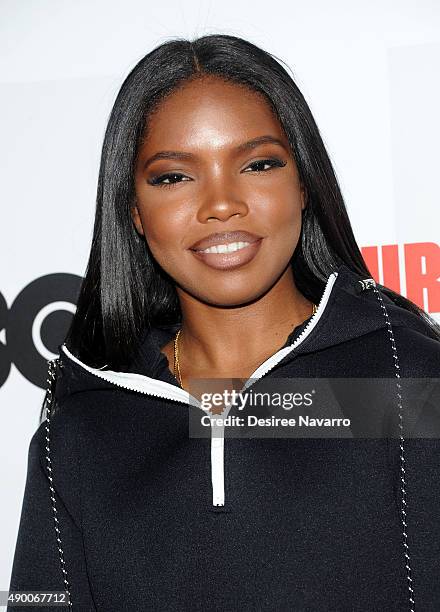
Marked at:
<point>226,248</point>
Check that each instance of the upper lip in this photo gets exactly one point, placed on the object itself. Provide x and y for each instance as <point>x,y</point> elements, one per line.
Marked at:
<point>224,238</point>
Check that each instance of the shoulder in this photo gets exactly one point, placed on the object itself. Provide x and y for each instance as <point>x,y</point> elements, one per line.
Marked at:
<point>418,354</point>
<point>54,459</point>
<point>417,350</point>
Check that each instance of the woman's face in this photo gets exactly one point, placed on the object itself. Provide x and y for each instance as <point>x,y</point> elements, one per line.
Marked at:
<point>205,169</point>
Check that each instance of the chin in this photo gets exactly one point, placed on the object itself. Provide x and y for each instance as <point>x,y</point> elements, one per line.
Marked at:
<point>223,297</point>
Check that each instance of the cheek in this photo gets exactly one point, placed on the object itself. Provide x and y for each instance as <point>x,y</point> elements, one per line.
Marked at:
<point>290,216</point>
<point>283,218</point>
<point>164,232</point>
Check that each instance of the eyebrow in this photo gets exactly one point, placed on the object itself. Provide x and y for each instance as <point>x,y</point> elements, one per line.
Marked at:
<point>245,146</point>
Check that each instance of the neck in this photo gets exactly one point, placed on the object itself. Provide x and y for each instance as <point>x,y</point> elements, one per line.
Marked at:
<point>233,341</point>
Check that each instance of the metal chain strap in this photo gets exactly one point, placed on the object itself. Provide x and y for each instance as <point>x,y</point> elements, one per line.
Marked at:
<point>369,283</point>
<point>48,403</point>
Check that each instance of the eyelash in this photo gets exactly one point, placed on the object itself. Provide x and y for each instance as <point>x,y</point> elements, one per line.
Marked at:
<point>276,163</point>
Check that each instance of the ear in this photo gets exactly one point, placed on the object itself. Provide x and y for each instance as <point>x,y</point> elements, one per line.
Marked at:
<point>304,198</point>
<point>137,219</point>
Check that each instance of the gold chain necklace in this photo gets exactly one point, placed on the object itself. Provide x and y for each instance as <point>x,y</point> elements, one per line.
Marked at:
<point>177,374</point>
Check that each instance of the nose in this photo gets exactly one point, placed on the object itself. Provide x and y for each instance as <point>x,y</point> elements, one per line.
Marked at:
<point>219,204</point>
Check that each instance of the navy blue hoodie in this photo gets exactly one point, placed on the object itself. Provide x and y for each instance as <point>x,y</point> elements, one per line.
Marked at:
<point>150,518</point>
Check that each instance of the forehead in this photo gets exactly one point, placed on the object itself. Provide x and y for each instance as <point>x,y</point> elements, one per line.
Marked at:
<point>211,111</point>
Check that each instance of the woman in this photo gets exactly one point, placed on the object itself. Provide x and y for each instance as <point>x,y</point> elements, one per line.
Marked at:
<point>222,250</point>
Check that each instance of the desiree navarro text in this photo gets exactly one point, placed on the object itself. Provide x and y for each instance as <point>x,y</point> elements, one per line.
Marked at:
<point>253,421</point>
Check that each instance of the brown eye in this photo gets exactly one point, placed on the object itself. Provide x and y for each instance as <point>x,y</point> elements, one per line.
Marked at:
<point>273,163</point>
<point>159,180</point>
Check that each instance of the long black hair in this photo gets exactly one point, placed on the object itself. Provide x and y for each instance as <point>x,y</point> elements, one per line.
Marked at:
<point>124,290</point>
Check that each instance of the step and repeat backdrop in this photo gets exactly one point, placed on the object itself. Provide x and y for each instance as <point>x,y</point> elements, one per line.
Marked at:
<point>369,73</point>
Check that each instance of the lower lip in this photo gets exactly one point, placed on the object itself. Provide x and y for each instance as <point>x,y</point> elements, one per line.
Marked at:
<point>228,261</point>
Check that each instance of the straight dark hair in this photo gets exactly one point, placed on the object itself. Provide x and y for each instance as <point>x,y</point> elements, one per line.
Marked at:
<point>124,291</point>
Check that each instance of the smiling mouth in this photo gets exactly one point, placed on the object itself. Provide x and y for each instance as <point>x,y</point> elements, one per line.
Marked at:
<point>230,247</point>
<point>229,255</point>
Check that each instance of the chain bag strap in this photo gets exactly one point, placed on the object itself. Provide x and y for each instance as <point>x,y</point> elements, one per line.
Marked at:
<point>48,409</point>
<point>369,283</point>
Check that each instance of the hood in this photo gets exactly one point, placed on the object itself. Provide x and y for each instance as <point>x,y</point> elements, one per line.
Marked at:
<point>348,308</point>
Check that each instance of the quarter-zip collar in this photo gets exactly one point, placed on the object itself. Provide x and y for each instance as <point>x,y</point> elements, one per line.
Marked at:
<point>346,310</point>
